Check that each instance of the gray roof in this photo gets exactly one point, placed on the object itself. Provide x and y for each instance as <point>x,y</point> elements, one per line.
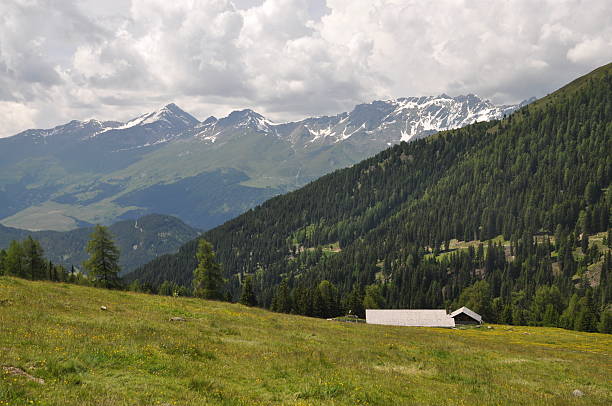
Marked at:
<point>469,312</point>
<point>405,317</point>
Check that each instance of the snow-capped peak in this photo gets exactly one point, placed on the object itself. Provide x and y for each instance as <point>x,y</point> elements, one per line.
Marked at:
<point>168,116</point>
<point>72,128</point>
<point>247,118</point>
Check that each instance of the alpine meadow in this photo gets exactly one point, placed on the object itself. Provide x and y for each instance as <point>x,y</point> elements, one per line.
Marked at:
<point>357,203</point>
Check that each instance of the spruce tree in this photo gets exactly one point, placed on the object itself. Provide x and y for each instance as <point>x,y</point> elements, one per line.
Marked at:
<point>506,316</point>
<point>282,299</point>
<point>354,302</point>
<point>247,297</point>
<point>165,289</point>
<point>2,260</point>
<point>14,261</point>
<point>605,322</point>
<point>329,295</point>
<point>207,279</point>
<point>587,318</point>
<point>103,259</point>
<point>34,262</point>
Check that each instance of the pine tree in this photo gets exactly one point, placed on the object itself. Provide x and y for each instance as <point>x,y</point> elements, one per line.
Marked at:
<point>587,319</point>
<point>103,259</point>
<point>34,262</point>
<point>605,322</point>
<point>329,301</point>
<point>551,317</point>
<point>506,316</point>
<point>282,299</point>
<point>135,286</point>
<point>14,261</point>
<point>354,302</point>
<point>302,301</point>
<point>2,261</point>
<point>568,317</point>
<point>207,279</point>
<point>60,273</point>
<point>165,289</point>
<point>247,297</point>
<point>318,307</point>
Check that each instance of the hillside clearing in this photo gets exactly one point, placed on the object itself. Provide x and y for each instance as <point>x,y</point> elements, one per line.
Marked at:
<point>228,354</point>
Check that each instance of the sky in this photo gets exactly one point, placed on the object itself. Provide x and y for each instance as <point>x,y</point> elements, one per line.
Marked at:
<point>286,59</point>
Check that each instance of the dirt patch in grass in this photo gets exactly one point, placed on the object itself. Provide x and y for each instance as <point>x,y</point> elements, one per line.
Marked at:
<point>14,371</point>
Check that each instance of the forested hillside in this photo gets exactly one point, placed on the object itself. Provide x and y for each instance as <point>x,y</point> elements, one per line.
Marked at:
<point>387,223</point>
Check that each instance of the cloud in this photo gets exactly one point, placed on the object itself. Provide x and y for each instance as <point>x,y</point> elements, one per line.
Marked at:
<point>589,50</point>
<point>16,116</point>
<point>284,58</point>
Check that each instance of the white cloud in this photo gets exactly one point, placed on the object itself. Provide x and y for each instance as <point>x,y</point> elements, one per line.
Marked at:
<point>590,50</point>
<point>16,116</point>
<point>284,58</point>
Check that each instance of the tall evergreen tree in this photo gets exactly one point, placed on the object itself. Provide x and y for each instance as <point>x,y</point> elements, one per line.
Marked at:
<point>2,261</point>
<point>207,279</point>
<point>14,261</point>
<point>354,302</point>
<point>248,297</point>
<point>282,300</point>
<point>103,259</point>
<point>587,317</point>
<point>605,322</point>
<point>329,299</point>
<point>165,289</point>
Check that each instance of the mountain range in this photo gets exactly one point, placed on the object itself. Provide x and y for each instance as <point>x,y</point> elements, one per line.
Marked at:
<point>139,241</point>
<point>87,172</point>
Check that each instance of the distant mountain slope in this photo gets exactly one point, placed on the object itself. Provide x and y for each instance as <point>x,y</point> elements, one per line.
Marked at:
<point>205,172</point>
<point>139,241</point>
<point>544,169</point>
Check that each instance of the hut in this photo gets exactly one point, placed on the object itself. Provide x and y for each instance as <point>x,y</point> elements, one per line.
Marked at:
<point>410,317</point>
<point>464,315</point>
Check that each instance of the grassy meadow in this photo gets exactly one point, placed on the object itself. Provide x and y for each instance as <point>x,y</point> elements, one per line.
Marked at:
<point>228,354</point>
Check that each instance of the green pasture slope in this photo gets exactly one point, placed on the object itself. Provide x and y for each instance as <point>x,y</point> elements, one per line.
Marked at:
<point>228,354</point>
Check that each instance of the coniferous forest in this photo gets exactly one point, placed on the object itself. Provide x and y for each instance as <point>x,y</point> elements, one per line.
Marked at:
<point>531,192</point>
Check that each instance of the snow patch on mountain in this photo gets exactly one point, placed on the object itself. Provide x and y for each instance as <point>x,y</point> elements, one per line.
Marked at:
<point>384,122</point>
<point>170,116</point>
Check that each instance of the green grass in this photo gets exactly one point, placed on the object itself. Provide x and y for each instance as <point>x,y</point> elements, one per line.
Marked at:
<point>457,245</point>
<point>228,354</point>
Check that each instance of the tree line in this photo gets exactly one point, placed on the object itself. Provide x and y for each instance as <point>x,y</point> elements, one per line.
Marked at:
<point>25,259</point>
